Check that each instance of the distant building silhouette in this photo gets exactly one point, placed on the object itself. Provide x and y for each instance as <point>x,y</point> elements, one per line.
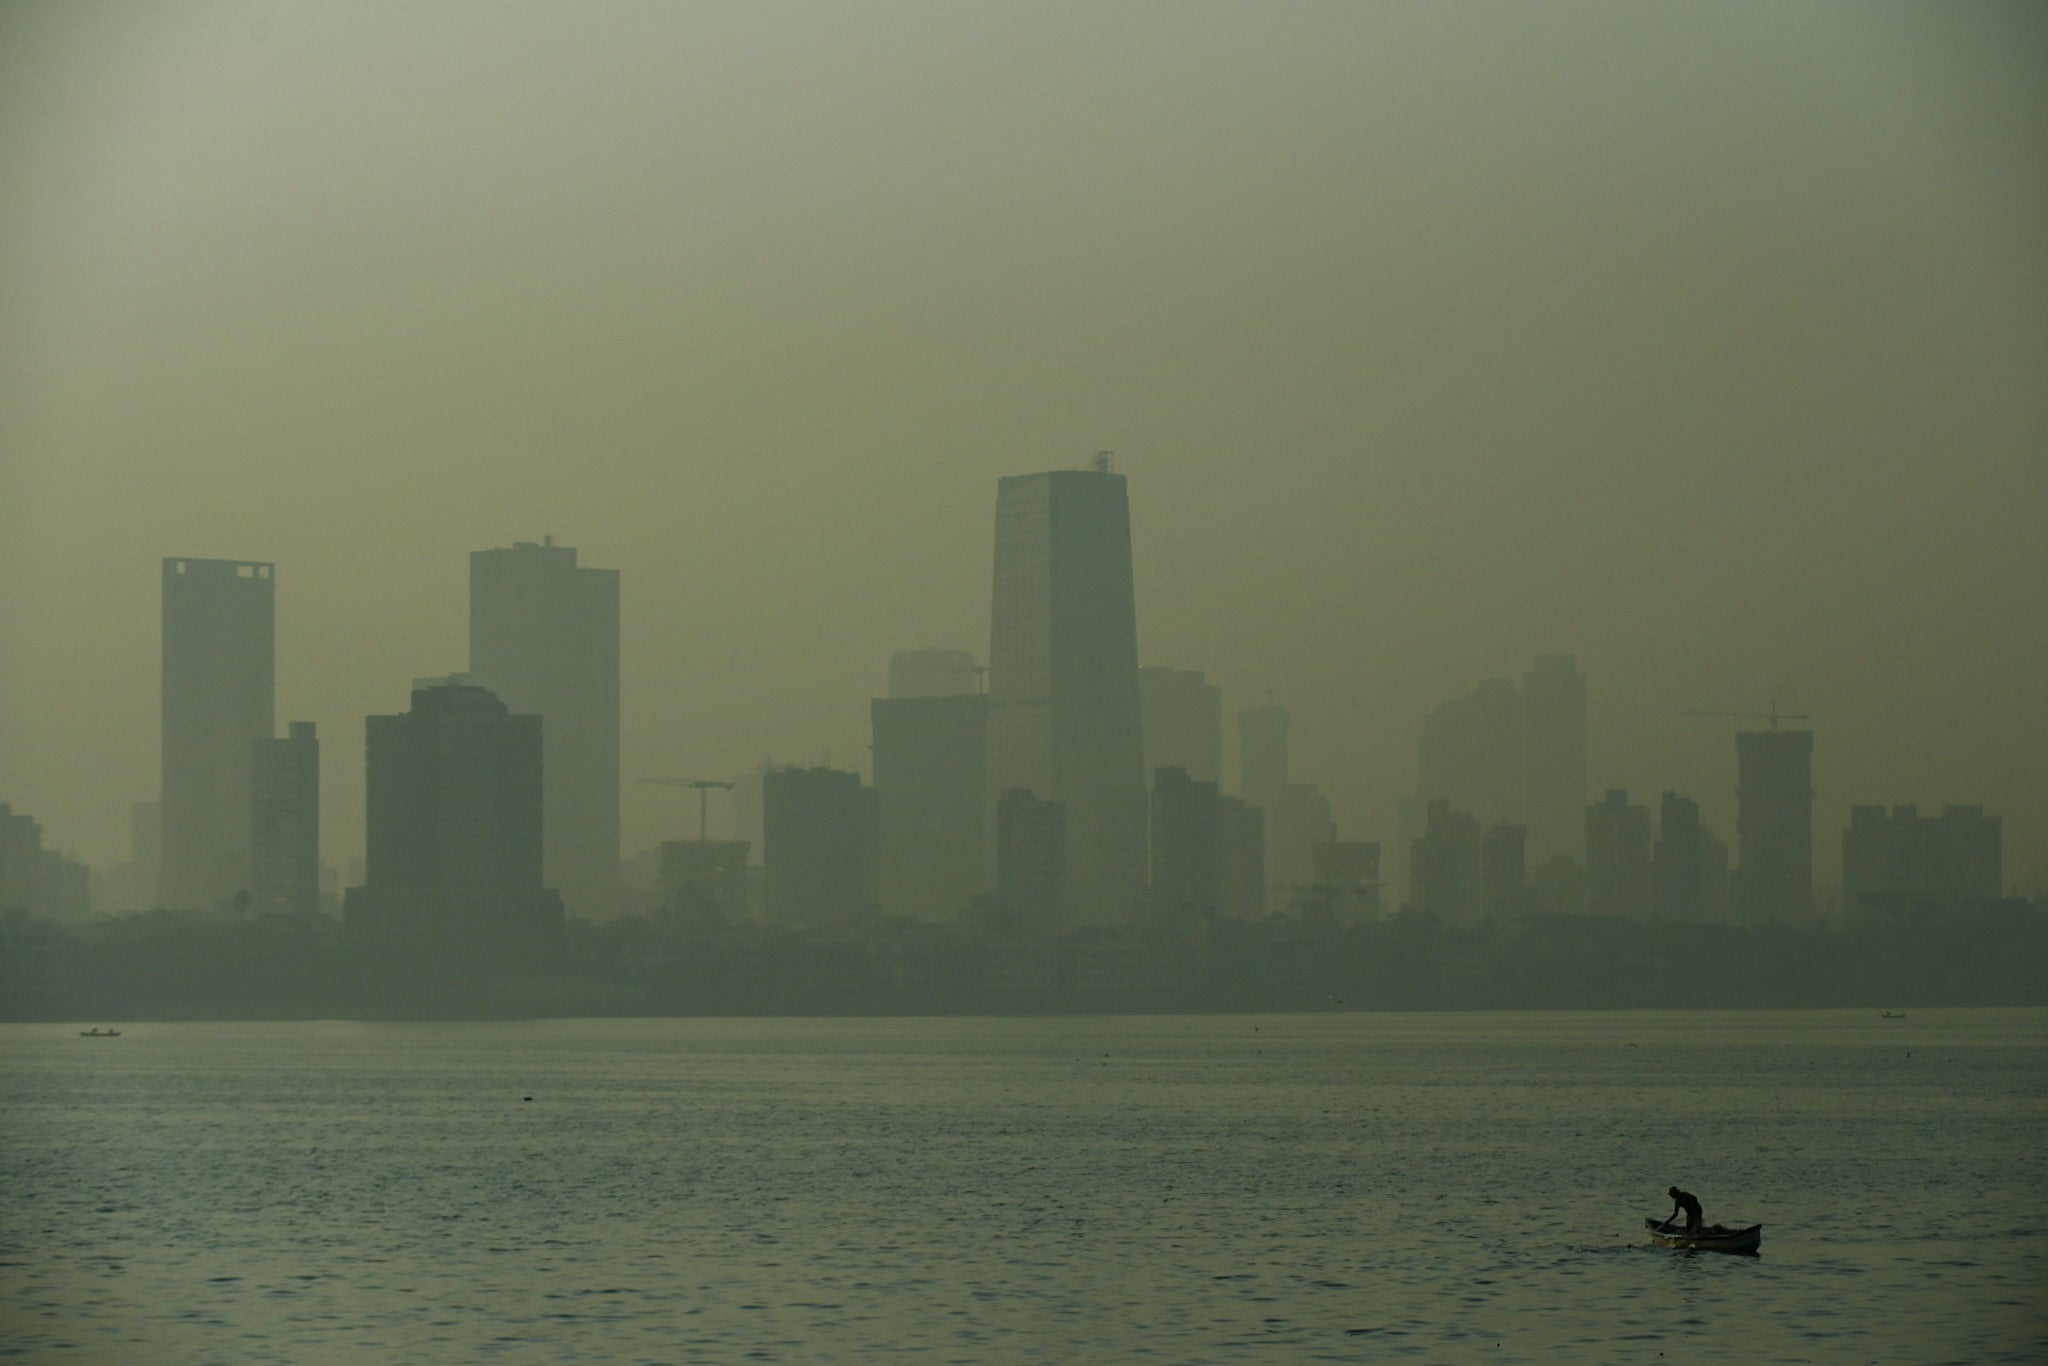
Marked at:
<point>1446,866</point>
<point>1064,718</point>
<point>1184,844</point>
<point>1240,858</point>
<point>1504,872</point>
<point>21,858</point>
<point>1349,871</point>
<point>1471,754</point>
<point>1183,722</point>
<point>1618,856</point>
<point>284,832</point>
<point>1898,860</point>
<point>820,828</point>
<point>703,880</point>
<point>931,791</point>
<point>1774,823</point>
<point>1263,763</point>
<point>1689,866</point>
<point>1554,757</point>
<point>1295,824</point>
<point>933,673</point>
<point>452,828</point>
<point>544,636</point>
<point>1031,858</point>
<point>219,679</point>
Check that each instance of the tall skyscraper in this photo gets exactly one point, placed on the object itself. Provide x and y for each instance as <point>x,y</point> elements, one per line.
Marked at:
<point>931,791</point>
<point>1471,754</point>
<point>1064,719</point>
<point>452,829</point>
<point>1774,823</point>
<point>1554,758</point>
<point>544,636</point>
<point>819,830</point>
<point>1185,872</point>
<point>1183,721</point>
<point>1618,857</point>
<point>284,831</point>
<point>219,687</point>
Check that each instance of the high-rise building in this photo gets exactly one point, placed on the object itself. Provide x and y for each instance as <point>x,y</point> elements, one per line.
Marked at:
<point>21,859</point>
<point>1240,858</point>
<point>1064,720</point>
<point>1183,721</point>
<point>1618,854</point>
<point>1554,758</point>
<point>1184,846</point>
<point>1900,859</point>
<point>1504,871</point>
<point>1349,872</point>
<point>932,673</point>
<point>1682,865</point>
<point>1262,759</point>
<point>1445,866</point>
<point>284,830</point>
<point>1471,753</point>
<point>452,828</point>
<point>1774,823</point>
<point>1297,821</point>
<point>703,879</point>
<point>219,687</point>
<point>931,792</point>
<point>819,828</point>
<point>544,636</point>
<point>1031,858</point>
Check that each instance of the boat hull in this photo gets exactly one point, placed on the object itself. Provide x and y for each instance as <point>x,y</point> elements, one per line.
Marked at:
<point>1711,1239</point>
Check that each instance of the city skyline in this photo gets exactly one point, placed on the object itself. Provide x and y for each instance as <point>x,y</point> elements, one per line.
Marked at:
<point>1415,380</point>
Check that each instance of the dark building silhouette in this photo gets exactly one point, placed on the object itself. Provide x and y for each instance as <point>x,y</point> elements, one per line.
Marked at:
<point>932,673</point>
<point>1240,858</point>
<point>1774,823</point>
<point>21,860</point>
<point>1295,824</point>
<point>1348,871</point>
<point>1064,718</point>
<point>544,636</point>
<point>1689,867</point>
<point>1618,856</point>
<point>219,682</point>
<point>1184,843</point>
<point>284,830</point>
<point>931,792</point>
<point>1263,760</point>
<point>1899,859</point>
<point>1554,758</point>
<point>1445,866</point>
<point>1183,722</point>
<point>452,830</point>
<point>1031,858</point>
<point>819,829</point>
<point>703,880</point>
<point>1504,871</point>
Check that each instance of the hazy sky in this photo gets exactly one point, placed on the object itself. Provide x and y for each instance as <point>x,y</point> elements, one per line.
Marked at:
<point>1706,342</point>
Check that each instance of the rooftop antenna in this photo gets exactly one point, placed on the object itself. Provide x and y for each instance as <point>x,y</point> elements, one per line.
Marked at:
<point>1100,464</point>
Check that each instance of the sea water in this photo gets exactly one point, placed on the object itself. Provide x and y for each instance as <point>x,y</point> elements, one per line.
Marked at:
<point>1344,1187</point>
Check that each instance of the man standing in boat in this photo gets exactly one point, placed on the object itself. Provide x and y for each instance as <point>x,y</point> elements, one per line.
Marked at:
<point>1683,1200</point>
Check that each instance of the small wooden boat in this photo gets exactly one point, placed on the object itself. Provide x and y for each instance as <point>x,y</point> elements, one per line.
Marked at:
<point>1891,1014</point>
<point>1712,1238</point>
<point>97,1033</point>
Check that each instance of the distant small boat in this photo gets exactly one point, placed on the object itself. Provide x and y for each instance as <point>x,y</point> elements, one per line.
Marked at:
<point>1891,1014</point>
<point>97,1033</point>
<point>1712,1238</point>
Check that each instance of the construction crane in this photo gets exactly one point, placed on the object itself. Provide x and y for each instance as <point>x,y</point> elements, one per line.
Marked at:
<point>703,786</point>
<point>1771,717</point>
